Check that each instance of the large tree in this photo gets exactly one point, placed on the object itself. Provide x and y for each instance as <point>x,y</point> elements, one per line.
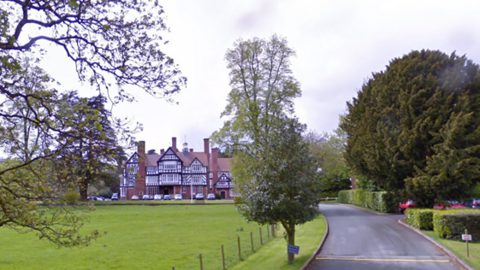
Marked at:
<point>411,120</point>
<point>262,92</point>
<point>114,45</point>
<point>328,150</point>
<point>278,181</point>
<point>272,168</point>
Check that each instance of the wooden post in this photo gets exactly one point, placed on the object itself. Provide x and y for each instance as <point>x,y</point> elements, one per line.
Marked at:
<point>251,240</point>
<point>466,232</point>
<point>201,263</point>
<point>261,240</point>
<point>268,232</point>
<point>173,267</point>
<point>223,259</point>
<point>239,250</point>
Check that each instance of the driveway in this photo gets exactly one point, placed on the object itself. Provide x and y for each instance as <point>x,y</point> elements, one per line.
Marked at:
<point>359,239</point>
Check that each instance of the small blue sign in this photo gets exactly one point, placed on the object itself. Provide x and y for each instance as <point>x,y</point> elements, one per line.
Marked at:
<point>293,249</point>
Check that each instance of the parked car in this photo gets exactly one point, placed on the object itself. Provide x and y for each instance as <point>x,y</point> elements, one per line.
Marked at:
<point>99,198</point>
<point>146,197</point>
<point>134,197</point>
<point>472,203</point>
<point>178,197</point>
<point>405,205</point>
<point>167,197</point>
<point>157,197</point>
<point>449,204</point>
<point>210,196</point>
<point>199,196</point>
<point>115,197</point>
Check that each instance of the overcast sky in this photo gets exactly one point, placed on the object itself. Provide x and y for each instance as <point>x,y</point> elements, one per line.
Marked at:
<point>338,44</point>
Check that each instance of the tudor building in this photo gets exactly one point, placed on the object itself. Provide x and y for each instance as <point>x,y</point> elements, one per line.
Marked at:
<point>176,172</point>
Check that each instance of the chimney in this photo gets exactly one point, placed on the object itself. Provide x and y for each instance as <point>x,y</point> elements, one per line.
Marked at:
<point>162,151</point>
<point>191,150</point>
<point>206,145</point>
<point>215,165</point>
<point>174,144</point>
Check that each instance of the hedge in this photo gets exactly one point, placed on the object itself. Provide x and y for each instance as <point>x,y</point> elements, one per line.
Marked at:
<point>377,200</point>
<point>451,224</point>
<point>420,218</point>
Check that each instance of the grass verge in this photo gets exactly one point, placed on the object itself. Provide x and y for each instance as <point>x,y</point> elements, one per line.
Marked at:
<point>459,249</point>
<point>273,256</point>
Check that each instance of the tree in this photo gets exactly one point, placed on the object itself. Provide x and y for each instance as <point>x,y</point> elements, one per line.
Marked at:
<point>398,126</point>
<point>272,168</point>
<point>114,45</point>
<point>278,180</point>
<point>328,150</point>
<point>92,153</point>
<point>262,91</point>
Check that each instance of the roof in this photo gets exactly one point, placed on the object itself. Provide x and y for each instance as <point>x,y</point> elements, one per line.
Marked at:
<point>224,164</point>
<point>152,160</point>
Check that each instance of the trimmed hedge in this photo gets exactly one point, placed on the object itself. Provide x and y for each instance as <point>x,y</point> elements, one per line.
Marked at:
<point>451,224</point>
<point>420,218</point>
<point>377,200</point>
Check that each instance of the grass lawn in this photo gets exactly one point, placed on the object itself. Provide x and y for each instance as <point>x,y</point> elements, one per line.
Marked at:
<point>142,237</point>
<point>274,255</point>
<point>460,249</point>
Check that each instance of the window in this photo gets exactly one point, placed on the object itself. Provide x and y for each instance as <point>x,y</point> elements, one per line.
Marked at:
<point>200,190</point>
<point>184,189</point>
<point>169,165</point>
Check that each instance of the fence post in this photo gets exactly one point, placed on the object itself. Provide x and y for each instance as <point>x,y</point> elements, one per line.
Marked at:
<point>223,259</point>
<point>261,240</point>
<point>201,263</point>
<point>239,250</point>
<point>173,267</point>
<point>251,240</point>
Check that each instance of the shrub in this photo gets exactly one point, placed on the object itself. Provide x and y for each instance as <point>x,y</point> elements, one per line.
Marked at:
<point>451,224</point>
<point>237,200</point>
<point>71,197</point>
<point>420,218</point>
<point>218,196</point>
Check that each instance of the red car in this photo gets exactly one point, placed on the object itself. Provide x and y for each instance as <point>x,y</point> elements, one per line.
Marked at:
<point>449,204</point>
<point>405,205</point>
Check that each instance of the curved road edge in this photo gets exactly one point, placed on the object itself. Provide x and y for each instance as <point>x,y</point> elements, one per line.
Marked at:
<point>438,245</point>
<point>314,255</point>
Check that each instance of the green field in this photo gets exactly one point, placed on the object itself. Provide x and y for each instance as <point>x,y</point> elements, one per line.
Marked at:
<point>143,237</point>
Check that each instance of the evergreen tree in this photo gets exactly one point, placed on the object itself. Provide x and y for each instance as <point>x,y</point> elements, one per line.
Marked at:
<point>397,119</point>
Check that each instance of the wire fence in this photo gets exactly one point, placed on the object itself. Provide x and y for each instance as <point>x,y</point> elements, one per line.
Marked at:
<point>238,248</point>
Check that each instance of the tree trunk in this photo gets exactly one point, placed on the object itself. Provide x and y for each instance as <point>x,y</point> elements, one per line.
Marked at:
<point>291,241</point>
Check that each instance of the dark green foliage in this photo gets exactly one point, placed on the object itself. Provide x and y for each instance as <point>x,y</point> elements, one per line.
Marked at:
<point>376,200</point>
<point>415,127</point>
<point>451,224</point>
<point>420,218</point>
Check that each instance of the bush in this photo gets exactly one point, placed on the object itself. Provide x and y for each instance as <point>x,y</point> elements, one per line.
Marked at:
<point>420,218</point>
<point>71,197</point>
<point>451,224</point>
<point>376,200</point>
<point>218,196</point>
<point>237,200</point>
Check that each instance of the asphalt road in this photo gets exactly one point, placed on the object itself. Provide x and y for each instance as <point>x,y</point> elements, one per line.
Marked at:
<point>359,239</point>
